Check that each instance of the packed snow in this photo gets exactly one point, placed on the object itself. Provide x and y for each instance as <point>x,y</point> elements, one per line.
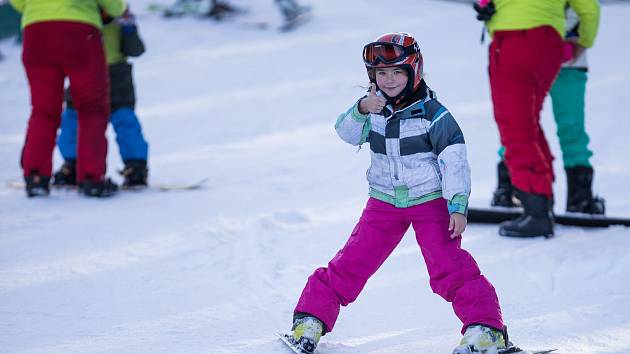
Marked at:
<point>220,269</point>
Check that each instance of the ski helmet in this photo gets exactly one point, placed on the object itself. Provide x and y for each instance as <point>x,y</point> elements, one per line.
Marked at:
<point>395,50</point>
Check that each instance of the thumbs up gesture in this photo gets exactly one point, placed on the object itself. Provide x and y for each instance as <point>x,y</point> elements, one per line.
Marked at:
<point>372,103</point>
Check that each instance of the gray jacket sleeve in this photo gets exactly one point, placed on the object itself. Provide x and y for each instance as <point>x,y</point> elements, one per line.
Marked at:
<point>352,126</point>
<point>449,146</point>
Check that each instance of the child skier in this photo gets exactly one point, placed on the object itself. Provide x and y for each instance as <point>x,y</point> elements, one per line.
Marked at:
<point>121,39</point>
<point>419,176</point>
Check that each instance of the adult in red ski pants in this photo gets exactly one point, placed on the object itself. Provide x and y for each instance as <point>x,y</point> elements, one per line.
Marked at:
<point>523,66</point>
<point>54,50</point>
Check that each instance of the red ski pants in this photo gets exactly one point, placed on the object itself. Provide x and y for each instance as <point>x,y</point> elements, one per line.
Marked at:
<point>52,51</point>
<point>523,66</point>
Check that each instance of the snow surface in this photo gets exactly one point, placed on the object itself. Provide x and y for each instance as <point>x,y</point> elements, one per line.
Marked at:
<point>219,270</point>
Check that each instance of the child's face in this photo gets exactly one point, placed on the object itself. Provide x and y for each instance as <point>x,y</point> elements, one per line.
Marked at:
<point>391,80</point>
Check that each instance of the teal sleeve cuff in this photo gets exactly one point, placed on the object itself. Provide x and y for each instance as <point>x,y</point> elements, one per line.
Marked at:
<point>358,116</point>
<point>458,204</point>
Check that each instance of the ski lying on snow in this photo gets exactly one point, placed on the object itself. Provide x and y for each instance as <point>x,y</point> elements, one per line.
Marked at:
<point>285,338</point>
<point>517,350</point>
<point>498,215</point>
<point>14,184</point>
<point>181,186</point>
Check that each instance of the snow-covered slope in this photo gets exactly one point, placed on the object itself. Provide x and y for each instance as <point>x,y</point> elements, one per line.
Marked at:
<point>219,270</point>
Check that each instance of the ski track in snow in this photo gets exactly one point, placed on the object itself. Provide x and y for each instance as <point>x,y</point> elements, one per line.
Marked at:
<point>220,269</point>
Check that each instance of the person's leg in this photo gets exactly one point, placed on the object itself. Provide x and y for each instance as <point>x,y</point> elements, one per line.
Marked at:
<point>567,95</point>
<point>454,274</point>
<point>131,142</point>
<point>67,138</point>
<point>89,86</point>
<point>523,65</point>
<point>513,94</point>
<point>45,79</point>
<point>132,146</point>
<point>377,233</point>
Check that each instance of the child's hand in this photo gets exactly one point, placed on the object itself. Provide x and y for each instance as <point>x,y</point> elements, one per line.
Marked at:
<point>457,225</point>
<point>372,103</point>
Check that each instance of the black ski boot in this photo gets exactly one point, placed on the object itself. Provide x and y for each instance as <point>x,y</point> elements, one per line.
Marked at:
<point>537,219</point>
<point>67,175</point>
<point>37,185</point>
<point>223,10</point>
<point>504,194</point>
<point>135,173</point>
<point>580,197</point>
<point>100,189</point>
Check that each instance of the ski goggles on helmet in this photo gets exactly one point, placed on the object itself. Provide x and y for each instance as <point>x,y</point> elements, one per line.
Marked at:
<point>387,53</point>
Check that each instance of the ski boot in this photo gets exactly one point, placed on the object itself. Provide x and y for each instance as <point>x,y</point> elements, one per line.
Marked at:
<point>223,10</point>
<point>291,10</point>
<point>580,197</point>
<point>135,174</point>
<point>37,185</point>
<point>536,220</point>
<point>67,175</point>
<point>479,339</point>
<point>504,194</point>
<point>100,189</point>
<point>307,331</point>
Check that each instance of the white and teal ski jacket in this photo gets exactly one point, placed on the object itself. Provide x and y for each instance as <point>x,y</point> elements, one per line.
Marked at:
<point>418,153</point>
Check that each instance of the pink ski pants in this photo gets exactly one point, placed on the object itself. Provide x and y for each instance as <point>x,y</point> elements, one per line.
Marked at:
<point>454,274</point>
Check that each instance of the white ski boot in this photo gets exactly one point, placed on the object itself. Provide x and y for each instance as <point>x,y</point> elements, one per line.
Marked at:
<point>480,339</point>
<point>306,333</point>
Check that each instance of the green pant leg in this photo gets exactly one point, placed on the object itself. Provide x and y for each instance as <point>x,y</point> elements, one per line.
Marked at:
<point>567,96</point>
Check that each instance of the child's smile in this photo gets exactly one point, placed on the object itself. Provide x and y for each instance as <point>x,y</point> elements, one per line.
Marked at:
<point>392,81</point>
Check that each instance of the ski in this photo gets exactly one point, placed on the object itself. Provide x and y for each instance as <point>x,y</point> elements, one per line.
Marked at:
<point>517,350</point>
<point>498,215</point>
<point>181,186</point>
<point>165,187</point>
<point>286,339</point>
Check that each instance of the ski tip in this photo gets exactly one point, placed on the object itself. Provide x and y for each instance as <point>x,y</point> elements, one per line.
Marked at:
<point>183,186</point>
<point>286,339</point>
<point>517,350</point>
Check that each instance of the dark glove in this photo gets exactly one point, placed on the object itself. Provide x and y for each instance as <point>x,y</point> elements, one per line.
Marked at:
<point>485,12</point>
<point>127,22</point>
<point>132,44</point>
<point>105,17</point>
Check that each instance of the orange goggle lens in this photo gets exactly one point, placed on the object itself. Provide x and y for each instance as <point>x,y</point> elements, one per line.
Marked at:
<point>386,53</point>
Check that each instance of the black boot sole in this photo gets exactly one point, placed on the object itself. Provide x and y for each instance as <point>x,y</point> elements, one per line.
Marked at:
<point>508,233</point>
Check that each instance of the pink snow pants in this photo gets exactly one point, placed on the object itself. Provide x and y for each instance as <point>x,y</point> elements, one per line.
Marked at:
<point>454,274</point>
